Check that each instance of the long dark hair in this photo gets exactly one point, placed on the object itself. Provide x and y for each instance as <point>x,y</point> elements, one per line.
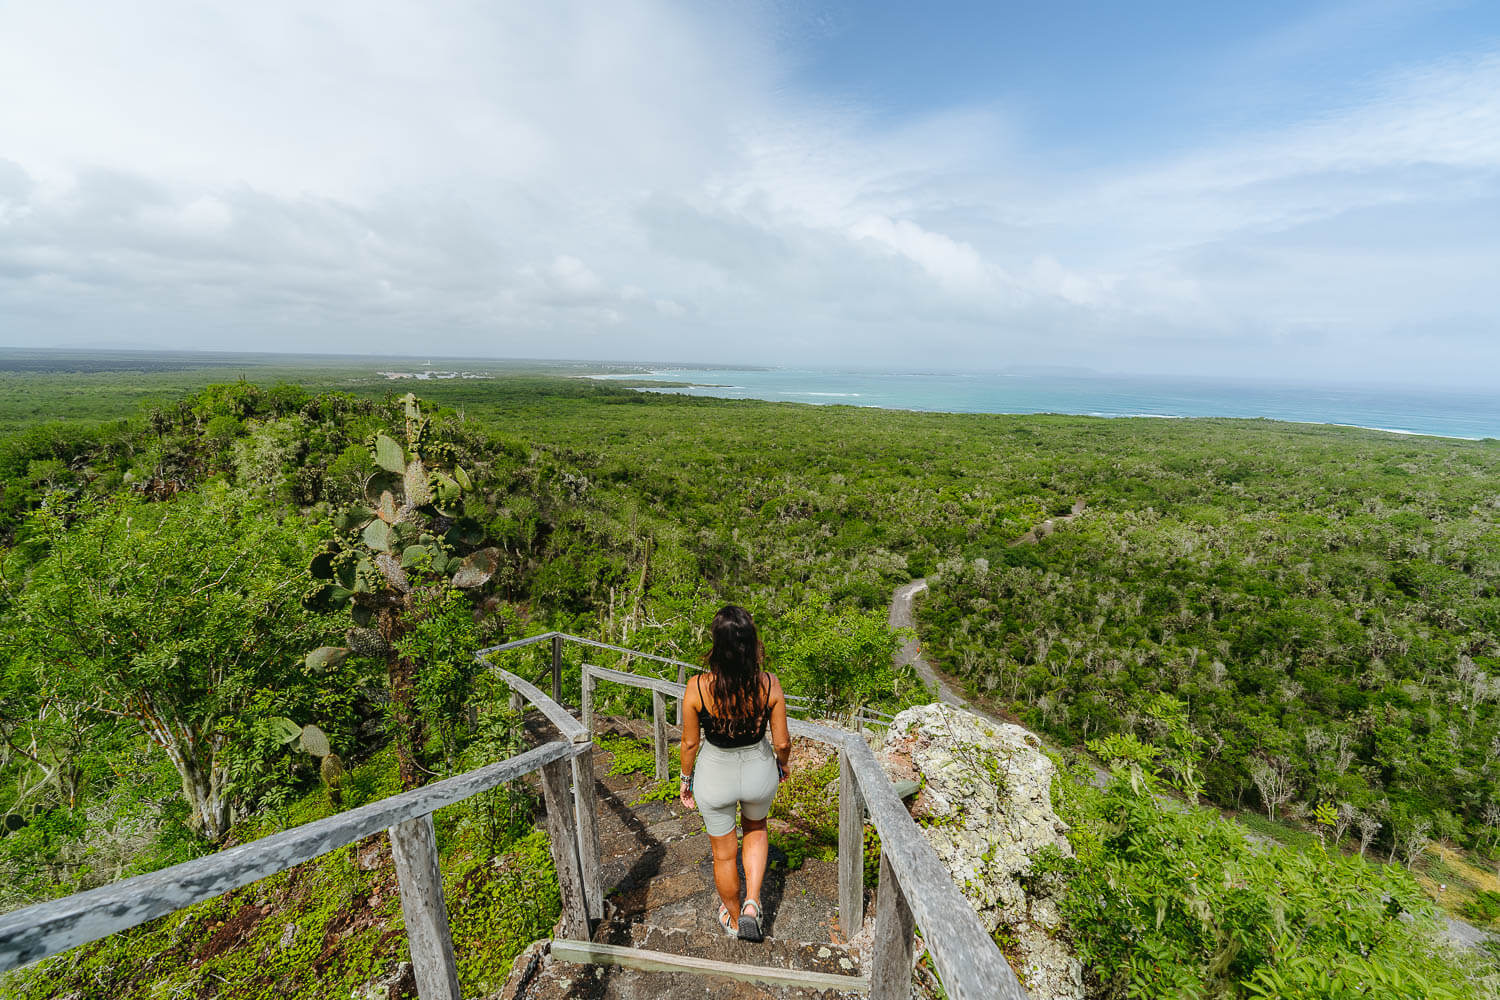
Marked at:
<point>735,660</point>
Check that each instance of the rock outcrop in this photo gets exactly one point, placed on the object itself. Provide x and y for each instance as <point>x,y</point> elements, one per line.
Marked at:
<point>985,805</point>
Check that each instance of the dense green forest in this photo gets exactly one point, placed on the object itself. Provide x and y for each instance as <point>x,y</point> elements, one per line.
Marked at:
<point>1321,610</point>
<point>1295,619</point>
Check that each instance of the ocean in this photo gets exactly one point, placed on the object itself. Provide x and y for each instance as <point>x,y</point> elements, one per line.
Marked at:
<point>1399,410</point>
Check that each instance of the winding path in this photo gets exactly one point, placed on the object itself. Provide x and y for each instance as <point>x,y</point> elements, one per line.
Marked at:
<point>910,653</point>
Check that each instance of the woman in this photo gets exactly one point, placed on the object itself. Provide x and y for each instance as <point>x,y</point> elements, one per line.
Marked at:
<point>731,707</point>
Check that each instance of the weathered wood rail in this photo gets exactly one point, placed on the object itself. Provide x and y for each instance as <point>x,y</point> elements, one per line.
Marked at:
<point>35,932</point>
<point>968,961</point>
<point>914,889</point>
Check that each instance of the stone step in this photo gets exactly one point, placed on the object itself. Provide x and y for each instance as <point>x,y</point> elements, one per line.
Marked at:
<point>657,870</point>
<point>675,891</point>
<point>822,957</point>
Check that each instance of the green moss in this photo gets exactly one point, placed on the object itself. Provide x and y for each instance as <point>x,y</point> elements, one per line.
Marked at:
<point>629,755</point>
<point>498,907</point>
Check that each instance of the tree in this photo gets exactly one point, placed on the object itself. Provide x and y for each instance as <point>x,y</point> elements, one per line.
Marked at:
<point>1345,815</point>
<point>1412,834</point>
<point>383,554</point>
<point>839,661</point>
<point>1273,779</point>
<point>55,735</point>
<point>170,615</point>
<point>1490,818</point>
<point>1369,825</point>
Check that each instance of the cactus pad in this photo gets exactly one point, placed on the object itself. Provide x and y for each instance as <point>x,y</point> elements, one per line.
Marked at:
<point>321,566</point>
<point>332,770</point>
<point>388,455</point>
<point>378,536</point>
<point>315,741</point>
<point>326,658</point>
<point>465,531</point>
<point>476,570</point>
<point>418,492</point>
<point>352,519</point>
<point>386,509</point>
<point>392,572</point>
<point>366,642</point>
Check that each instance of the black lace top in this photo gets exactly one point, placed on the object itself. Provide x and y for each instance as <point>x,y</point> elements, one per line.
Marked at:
<point>727,734</point>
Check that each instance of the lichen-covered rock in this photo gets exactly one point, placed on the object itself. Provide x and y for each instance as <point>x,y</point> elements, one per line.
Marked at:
<point>986,808</point>
<point>397,982</point>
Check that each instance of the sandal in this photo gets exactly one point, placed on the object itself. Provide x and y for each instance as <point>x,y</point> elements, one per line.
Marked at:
<point>725,922</point>
<point>750,925</point>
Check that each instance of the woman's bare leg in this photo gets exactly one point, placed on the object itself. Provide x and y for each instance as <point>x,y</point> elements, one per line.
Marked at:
<point>726,872</point>
<point>757,847</point>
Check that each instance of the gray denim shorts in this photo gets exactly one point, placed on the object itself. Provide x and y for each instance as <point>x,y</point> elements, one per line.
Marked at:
<point>743,778</point>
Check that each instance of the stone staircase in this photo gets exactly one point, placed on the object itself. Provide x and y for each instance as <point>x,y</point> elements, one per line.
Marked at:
<point>660,910</point>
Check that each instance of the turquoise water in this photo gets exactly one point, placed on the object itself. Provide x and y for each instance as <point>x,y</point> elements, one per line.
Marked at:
<point>1446,413</point>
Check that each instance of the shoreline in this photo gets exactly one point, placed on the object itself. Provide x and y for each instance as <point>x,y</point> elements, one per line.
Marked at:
<point>673,391</point>
<point>1431,414</point>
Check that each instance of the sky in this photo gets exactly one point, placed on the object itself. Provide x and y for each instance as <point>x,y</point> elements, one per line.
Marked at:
<point>1283,190</point>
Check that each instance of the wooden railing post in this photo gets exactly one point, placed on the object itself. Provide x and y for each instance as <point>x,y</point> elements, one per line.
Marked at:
<point>557,642</point>
<point>414,847</point>
<point>851,850</point>
<point>681,679</point>
<point>659,733</point>
<point>588,700</point>
<point>562,837</point>
<point>890,978</point>
<point>586,810</point>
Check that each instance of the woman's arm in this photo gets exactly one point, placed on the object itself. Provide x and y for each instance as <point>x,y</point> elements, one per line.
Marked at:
<point>781,737</point>
<point>690,740</point>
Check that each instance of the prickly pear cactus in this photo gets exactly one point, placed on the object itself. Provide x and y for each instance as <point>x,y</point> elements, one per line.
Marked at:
<point>409,533</point>
<point>315,741</point>
<point>332,770</point>
<point>410,530</point>
<point>366,642</point>
<point>312,740</point>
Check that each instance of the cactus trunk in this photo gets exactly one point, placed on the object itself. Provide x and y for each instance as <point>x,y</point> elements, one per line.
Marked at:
<point>406,720</point>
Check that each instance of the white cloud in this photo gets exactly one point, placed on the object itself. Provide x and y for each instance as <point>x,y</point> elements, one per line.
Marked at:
<point>952,264</point>
<point>526,179</point>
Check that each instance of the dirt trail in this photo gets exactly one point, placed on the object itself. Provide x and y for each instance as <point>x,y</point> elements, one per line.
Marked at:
<point>910,653</point>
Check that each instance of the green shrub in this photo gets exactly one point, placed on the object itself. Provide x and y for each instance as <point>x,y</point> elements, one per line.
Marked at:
<point>1484,907</point>
<point>1164,902</point>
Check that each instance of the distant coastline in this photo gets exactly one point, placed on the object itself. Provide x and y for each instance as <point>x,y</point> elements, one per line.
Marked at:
<point>1444,413</point>
<point>1462,414</point>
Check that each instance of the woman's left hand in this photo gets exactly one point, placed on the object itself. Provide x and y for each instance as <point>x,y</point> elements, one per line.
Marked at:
<point>686,798</point>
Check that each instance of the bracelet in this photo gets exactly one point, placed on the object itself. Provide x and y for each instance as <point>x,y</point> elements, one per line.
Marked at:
<point>687,781</point>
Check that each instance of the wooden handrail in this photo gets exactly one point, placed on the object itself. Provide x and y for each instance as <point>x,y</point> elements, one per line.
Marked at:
<point>666,687</point>
<point>968,961</point>
<point>571,729</point>
<point>531,640</point>
<point>35,932</point>
<point>583,843</point>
